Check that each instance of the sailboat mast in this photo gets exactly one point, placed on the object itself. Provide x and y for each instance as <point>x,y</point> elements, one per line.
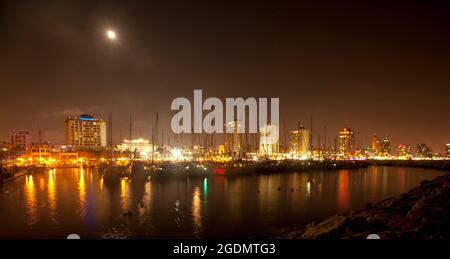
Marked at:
<point>110,144</point>
<point>129,141</point>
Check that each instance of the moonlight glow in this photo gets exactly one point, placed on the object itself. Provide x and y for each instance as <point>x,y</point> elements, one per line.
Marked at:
<point>111,34</point>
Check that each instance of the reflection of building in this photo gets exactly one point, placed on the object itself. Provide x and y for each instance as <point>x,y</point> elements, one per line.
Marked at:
<point>346,142</point>
<point>140,147</point>
<point>85,131</point>
<point>298,141</point>
<point>375,144</point>
<point>269,136</point>
<point>423,151</point>
<point>233,140</point>
<point>447,150</point>
<point>404,151</point>
<point>21,140</point>
<point>386,146</point>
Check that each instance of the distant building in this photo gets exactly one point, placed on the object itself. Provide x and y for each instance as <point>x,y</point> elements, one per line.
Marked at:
<point>385,146</point>
<point>404,151</point>
<point>269,140</point>
<point>346,142</point>
<point>85,132</point>
<point>141,148</point>
<point>233,143</point>
<point>447,150</point>
<point>375,144</point>
<point>22,140</point>
<point>221,149</point>
<point>299,141</point>
<point>423,151</point>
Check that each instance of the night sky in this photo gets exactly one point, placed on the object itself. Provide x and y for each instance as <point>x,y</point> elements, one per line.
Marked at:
<point>376,68</point>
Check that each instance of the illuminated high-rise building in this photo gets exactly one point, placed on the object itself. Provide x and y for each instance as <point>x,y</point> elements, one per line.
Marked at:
<point>21,140</point>
<point>375,144</point>
<point>299,141</point>
<point>385,146</point>
<point>233,140</point>
<point>423,151</point>
<point>447,150</point>
<point>85,132</point>
<point>269,140</point>
<point>346,142</point>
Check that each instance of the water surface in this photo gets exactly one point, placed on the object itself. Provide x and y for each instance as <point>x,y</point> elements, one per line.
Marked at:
<point>64,201</point>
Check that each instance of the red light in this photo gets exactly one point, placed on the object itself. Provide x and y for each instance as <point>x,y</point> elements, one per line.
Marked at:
<point>219,171</point>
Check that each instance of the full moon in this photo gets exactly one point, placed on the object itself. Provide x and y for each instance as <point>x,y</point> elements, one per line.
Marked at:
<point>111,35</point>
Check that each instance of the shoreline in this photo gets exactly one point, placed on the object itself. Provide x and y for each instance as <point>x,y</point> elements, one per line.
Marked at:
<point>426,164</point>
<point>15,176</point>
<point>420,213</point>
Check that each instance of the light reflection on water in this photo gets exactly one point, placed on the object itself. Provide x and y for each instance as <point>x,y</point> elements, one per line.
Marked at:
<point>343,195</point>
<point>31,206</point>
<point>197,211</point>
<point>51,192</point>
<point>124,195</point>
<point>81,192</point>
<point>65,201</point>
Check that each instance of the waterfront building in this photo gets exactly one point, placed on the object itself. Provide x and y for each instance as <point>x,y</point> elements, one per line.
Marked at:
<point>385,146</point>
<point>346,142</point>
<point>423,151</point>
<point>269,140</point>
<point>50,155</point>
<point>403,151</point>
<point>85,132</point>
<point>233,142</point>
<point>21,140</point>
<point>66,158</point>
<point>299,141</point>
<point>375,144</point>
<point>447,150</point>
<point>141,148</point>
<point>41,154</point>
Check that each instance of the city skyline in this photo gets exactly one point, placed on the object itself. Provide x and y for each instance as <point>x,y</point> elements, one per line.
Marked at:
<point>370,67</point>
<point>287,137</point>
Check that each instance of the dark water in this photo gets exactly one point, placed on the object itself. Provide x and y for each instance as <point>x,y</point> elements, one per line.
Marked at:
<point>65,201</point>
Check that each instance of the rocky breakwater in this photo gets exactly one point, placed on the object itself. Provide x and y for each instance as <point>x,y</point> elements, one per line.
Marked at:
<point>421,213</point>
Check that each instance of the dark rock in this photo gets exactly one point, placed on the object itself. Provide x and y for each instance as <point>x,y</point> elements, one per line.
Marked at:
<point>399,222</point>
<point>378,221</point>
<point>421,213</point>
<point>329,228</point>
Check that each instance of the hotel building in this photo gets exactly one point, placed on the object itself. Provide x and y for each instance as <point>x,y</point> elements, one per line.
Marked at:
<point>85,131</point>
